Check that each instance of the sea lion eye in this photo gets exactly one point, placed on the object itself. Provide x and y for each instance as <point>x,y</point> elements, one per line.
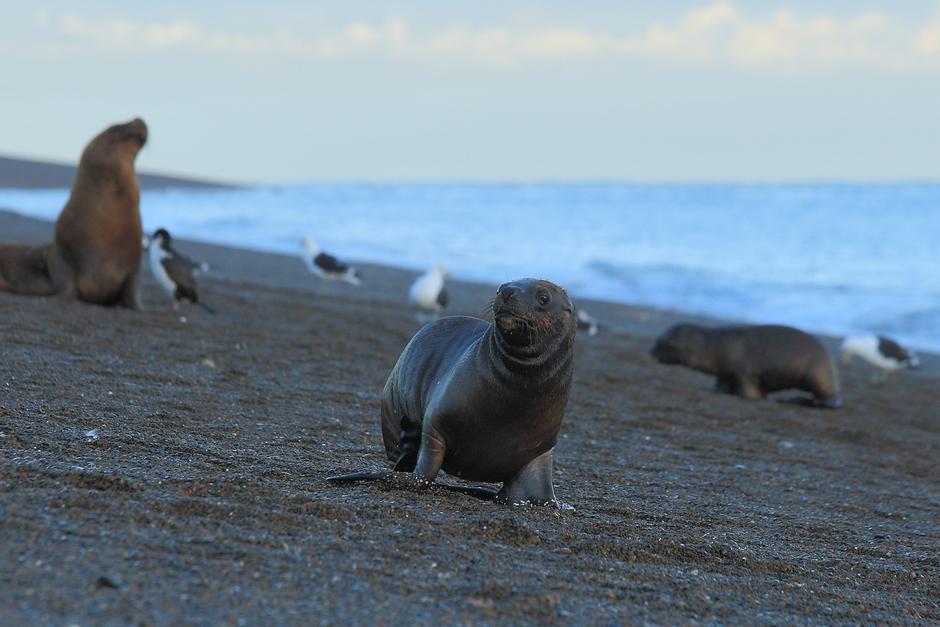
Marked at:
<point>544,298</point>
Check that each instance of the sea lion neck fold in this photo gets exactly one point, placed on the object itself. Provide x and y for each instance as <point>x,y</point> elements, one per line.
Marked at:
<point>540,361</point>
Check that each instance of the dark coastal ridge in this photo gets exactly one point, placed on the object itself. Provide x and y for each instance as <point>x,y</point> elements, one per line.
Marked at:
<point>31,174</point>
<point>162,472</point>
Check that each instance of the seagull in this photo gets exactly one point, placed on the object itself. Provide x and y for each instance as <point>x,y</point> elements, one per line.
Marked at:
<point>327,266</point>
<point>174,272</point>
<point>427,293</point>
<point>879,351</point>
<point>587,322</point>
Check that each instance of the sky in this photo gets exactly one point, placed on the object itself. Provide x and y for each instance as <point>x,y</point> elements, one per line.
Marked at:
<point>483,90</point>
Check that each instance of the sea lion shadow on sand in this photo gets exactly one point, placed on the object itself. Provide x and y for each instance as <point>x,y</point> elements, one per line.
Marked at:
<point>754,361</point>
<point>483,401</point>
<point>406,481</point>
<point>96,251</point>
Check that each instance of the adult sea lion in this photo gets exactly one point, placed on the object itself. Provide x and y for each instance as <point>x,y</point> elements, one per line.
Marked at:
<point>484,401</point>
<point>752,361</point>
<point>95,254</point>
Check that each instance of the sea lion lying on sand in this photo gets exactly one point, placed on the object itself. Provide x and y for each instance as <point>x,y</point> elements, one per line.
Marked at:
<point>484,401</point>
<point>96,252</point>
<point>752,361</point>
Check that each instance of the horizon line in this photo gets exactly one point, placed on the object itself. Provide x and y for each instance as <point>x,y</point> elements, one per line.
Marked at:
<point>211,181</point>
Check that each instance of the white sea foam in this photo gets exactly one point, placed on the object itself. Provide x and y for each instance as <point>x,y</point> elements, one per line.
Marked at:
<point>838,259</point>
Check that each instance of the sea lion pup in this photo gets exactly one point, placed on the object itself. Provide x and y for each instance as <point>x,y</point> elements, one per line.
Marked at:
<point>752,361</point>
<point>484,401</point>
<point>96,252</point>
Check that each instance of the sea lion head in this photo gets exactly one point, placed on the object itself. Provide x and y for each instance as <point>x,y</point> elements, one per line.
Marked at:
<point>676,344</point>
<point>123,141</point>
<point>530,312</point>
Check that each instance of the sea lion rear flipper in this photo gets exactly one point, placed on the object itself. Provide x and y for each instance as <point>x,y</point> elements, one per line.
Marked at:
<point>27,269</point>
<point>360,476</point>
<point>532,484</point>
<point>409,444</point>
<point>482,492</point>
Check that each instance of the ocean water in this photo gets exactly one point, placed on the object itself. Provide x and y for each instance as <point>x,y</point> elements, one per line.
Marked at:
<point>829,258</point>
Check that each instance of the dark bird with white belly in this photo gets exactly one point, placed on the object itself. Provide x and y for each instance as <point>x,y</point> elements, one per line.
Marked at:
<point>174,272</point>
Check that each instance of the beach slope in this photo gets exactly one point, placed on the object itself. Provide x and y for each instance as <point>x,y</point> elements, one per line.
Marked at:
<point>161,470</point>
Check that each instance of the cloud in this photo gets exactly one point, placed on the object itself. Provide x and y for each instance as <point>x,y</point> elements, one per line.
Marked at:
<point>716,33</point>
<point>927,41</point>
<point>120,34</point>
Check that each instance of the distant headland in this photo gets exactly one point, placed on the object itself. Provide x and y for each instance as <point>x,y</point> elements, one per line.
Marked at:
<point>30,174</point>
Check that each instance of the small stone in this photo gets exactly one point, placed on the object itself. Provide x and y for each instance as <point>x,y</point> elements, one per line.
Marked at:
<point>106,582</point>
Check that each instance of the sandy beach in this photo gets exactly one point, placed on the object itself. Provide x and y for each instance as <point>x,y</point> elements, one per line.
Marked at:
<point>161,471</point>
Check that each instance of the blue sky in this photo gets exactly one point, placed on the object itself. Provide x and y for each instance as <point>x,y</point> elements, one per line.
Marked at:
<point>667,91</point>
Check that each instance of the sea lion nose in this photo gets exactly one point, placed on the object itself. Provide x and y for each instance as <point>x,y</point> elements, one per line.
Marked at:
<point>507,293</point>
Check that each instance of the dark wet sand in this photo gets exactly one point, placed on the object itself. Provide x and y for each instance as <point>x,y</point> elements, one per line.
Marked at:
<point>203,500</point>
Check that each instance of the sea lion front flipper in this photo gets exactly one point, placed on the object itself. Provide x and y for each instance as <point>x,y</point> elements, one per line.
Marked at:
<point>430,457</point>
<point>833,402</point>
<point>532,484</point>
<point>130,293</point>
<point>748,388</point>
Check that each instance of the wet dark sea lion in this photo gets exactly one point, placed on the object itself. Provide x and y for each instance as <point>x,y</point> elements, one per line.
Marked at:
<point>96,252</point>
<point>484,401</point>
<point>752,361</point>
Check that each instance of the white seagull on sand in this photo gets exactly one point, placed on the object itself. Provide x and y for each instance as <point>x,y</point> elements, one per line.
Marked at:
<point>587,322</point>
<point>879,351</point>
<point>327,266</point>
<point>427,293</point>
